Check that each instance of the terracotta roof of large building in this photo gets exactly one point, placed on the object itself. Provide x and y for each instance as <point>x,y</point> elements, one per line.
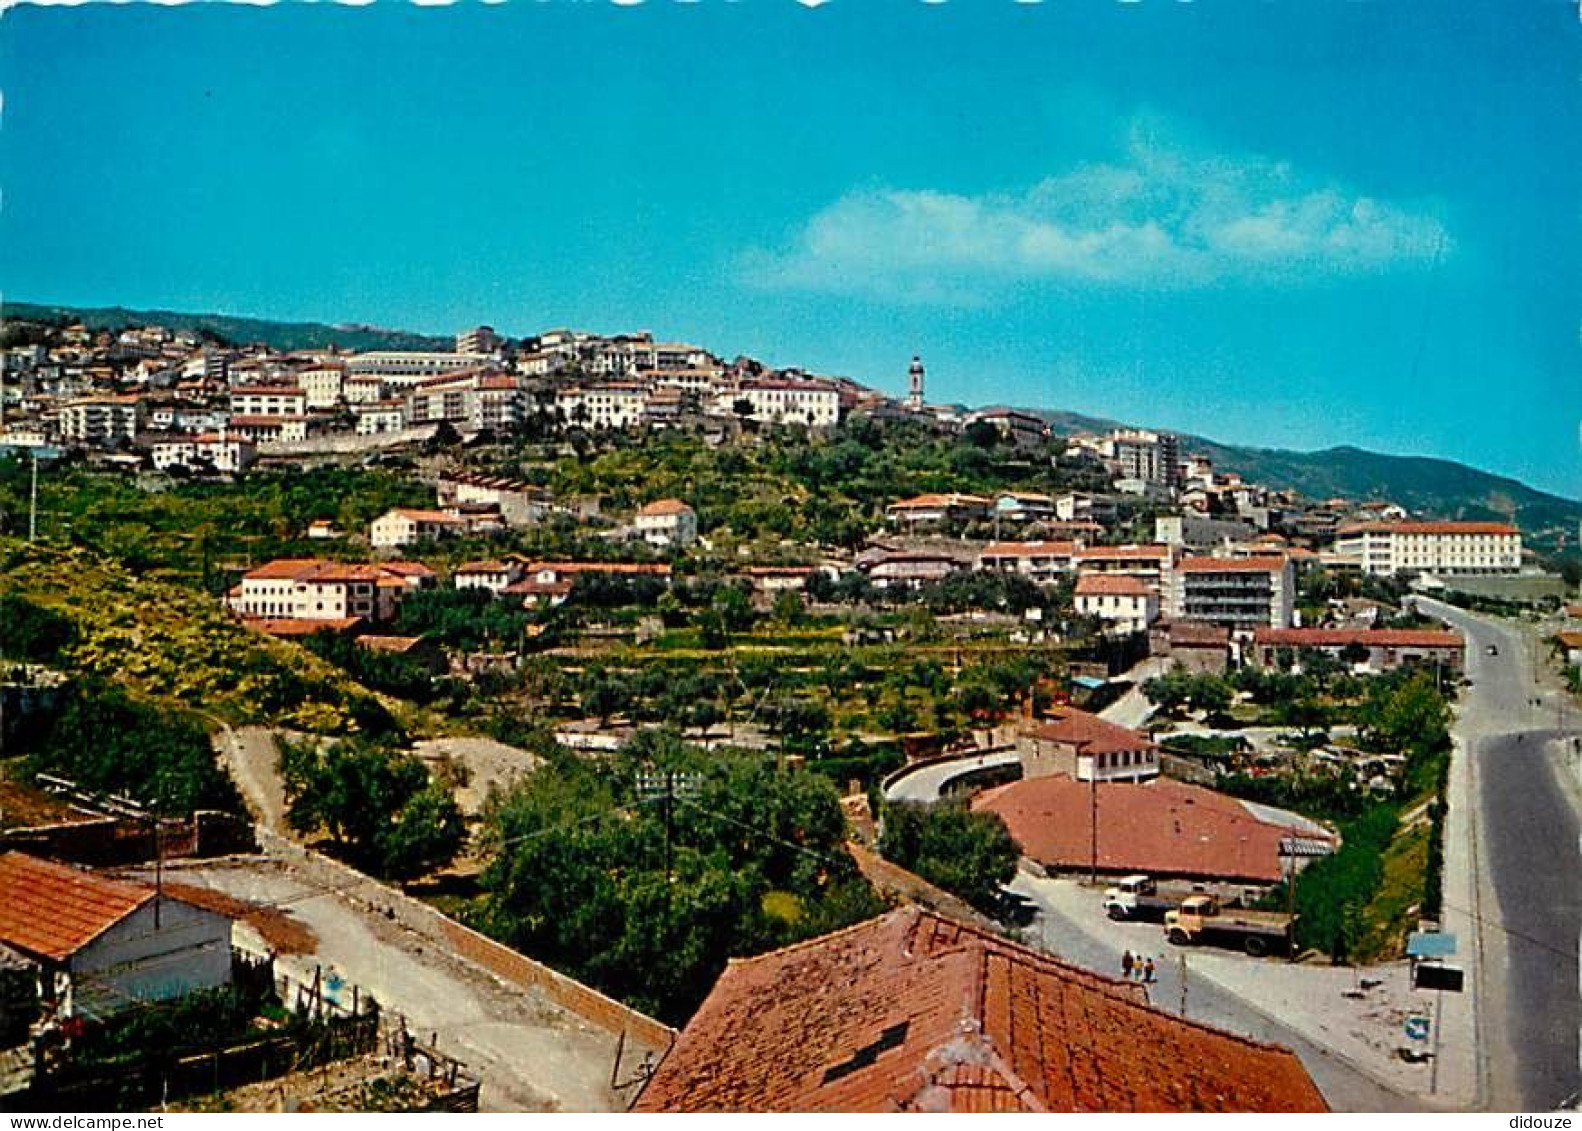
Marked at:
<point>652,569</point>
<point>51,911</point>
<point>1162,828</point>
<point>1264,564</point>
<point>1427,528</point>
<point>912,1011</point>
<point>1111,585</point>
<point>1340,637</point>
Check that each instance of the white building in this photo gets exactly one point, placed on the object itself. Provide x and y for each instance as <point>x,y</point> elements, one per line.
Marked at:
<point>377,418</point>
<point>1124,603</point>
<point>222,452</point>
<point>102,420</point>
<point>479,340</point>
<point>269,400</point>
<point>312,589</point>
<point>403,526</point>
<point>813,403</point>
<point>323,384</point>
<point>612,405</point>
<point>103,945</point>
<point>1043,562</point>
<point>408,367</point>
<point>1431,547</point>
<point>1239,592</point>
<point>668,523</point>
<point>493,576</point>
<point>519,503</point>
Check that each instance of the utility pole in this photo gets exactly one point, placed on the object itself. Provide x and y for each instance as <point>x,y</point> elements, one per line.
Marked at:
<point>1183,984</point>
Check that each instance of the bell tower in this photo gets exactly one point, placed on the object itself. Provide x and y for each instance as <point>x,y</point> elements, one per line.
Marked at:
<point>914,396</point>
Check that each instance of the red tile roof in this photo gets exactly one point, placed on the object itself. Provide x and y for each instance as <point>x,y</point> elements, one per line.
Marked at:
<point>657,569</point>
<point>1111,585</point>
<point>1340,637</point>
<point>1427,528</point>
<point>912,1011</point>
<point>1232,565</point>
<point>52,911</point>
<point>1089,733</point>
<point>664,506</point>
<point>1162,827</point>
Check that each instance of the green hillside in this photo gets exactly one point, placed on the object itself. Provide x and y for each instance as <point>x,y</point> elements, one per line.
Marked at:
<point>235,330</point>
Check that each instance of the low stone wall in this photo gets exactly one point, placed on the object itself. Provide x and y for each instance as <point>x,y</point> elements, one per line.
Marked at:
<point>643,1032</point>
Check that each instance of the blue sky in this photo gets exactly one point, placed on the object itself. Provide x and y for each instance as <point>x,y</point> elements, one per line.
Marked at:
<point>1294,224</point>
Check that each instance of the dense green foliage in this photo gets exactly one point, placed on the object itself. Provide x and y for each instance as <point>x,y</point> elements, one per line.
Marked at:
<point>1332,893</point>
<point>588,874</point>
<point>968,854</point>
<point>107,741</point>
<point>381,809</point>
<point>30,631</point>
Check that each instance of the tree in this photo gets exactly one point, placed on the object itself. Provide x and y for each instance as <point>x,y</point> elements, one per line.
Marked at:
<point>30,631</point>
<point>968,854</point>
<point>379,807</point>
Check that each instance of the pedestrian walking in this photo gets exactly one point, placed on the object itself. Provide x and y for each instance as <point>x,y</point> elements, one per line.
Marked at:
<point>1148,970</point>
<point>1127,963</point>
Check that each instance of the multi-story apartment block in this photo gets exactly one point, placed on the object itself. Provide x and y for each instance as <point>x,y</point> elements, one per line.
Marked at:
<point>1150,562</point>
<point>269,400</point>
<point>470,401</point>
<point>479,340</point>
<point>1239,592</point>
<point>1452,548</point>
<point>365,388</point>
<point>102,420</point>
<point>1150,457</point>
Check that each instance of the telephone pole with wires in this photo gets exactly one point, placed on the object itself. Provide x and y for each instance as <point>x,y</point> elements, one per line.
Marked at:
<point>667,787</point>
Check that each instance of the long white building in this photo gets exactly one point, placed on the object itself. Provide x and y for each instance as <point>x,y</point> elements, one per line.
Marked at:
<point>1431,547</point>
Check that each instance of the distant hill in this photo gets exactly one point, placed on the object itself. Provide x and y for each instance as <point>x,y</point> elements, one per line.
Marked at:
<point>1438,487</point>
<point>240,331</point>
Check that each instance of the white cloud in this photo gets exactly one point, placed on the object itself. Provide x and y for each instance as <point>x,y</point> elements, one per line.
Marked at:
<point>1164,216</point>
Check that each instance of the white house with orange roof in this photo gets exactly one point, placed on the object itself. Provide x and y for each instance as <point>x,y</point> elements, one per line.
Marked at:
<point>1123,602</point>
<point>667,523</point>
<point>404,526</point>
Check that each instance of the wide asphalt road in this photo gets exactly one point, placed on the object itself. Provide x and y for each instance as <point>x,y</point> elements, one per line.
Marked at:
<point>1343,1085</point>
<point>1529,868</point>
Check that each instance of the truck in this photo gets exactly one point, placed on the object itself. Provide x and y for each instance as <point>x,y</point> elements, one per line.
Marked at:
<point>1203,919</point>
<point>1141,898</point>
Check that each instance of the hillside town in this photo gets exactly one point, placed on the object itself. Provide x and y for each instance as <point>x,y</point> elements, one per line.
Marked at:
<point>929,728</point>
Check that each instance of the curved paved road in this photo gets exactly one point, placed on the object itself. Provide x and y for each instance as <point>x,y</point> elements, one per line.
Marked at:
<point>1526,863</point>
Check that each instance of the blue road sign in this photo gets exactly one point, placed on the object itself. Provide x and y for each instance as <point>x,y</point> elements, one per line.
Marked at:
<point>1417,1028</point>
